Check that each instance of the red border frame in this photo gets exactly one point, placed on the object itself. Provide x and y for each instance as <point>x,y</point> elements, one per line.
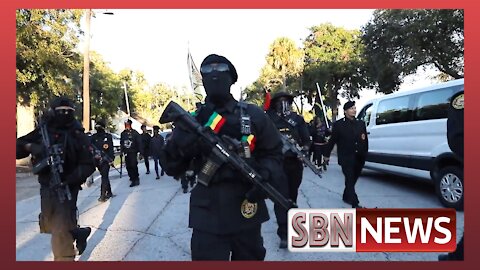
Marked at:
<point>7,81</point>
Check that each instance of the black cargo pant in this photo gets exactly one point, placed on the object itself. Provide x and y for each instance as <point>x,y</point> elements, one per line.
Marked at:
<point>105,188</point>
<point>351,170</point>
<point>244,245</point>
<point>131,163</point>
<point>293,168</point>
<point>281,214</point>
<point>59,219</point>
<point>147,162</point>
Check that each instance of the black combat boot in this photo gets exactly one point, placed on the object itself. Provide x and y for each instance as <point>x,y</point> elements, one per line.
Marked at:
<point>283,243</point>
<point>80,235</point>
<point>110,195</point>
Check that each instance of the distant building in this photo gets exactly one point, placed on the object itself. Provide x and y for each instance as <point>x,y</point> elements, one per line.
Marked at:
<point>25,124</point>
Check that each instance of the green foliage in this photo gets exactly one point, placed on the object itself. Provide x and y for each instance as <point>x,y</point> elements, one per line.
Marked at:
<point>106,89</point>
<point>333,58</point>
<point>47,63</point>
<point>284,60</point>
<point>149,102</point>
<point>399,41</point>
<point>281,72</point>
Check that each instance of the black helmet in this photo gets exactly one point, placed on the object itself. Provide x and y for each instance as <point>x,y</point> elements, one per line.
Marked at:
<point>100,123</point>
<point>62,101</point>
<point>280,94</point>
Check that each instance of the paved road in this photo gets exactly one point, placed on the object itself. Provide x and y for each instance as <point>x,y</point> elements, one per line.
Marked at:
<point>150,222</point>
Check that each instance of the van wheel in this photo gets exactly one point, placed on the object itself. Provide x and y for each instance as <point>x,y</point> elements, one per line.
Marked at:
<point>449,187</point>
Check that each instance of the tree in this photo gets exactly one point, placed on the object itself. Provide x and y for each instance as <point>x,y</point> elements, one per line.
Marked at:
<point>397,42</point>
<point>281,72</point>
<point>334,59</point>
<point>284,59</point>
<point>47,63</point>
<point>106,89</point>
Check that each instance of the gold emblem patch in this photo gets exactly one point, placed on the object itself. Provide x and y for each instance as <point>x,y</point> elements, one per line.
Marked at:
<point>458,102</point>
<point>105,146</point>
<point>248,209</point>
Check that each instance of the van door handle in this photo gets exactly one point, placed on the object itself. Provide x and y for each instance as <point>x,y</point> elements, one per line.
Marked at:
<point>368,132</point>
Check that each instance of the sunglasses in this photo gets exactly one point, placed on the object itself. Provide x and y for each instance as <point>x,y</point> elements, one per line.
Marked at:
<point>64,111</point>
<point>221,67</point>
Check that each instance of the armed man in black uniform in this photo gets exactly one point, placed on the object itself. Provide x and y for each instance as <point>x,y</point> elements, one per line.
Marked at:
<point>59,214</point>
<point>455,130</point>
<point>145,151</point>
<point>319,133</point>
<point>350,136</point>
<point>130,145</point>
<point>226,215</point>
<point>103,158</point>
<point>293,126</point>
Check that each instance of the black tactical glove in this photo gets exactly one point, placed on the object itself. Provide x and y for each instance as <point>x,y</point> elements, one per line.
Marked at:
<point>36,149</point>
<point>256,194</point>
<point>305,150</point>
<point>69,180</point>
<point>186,143</point>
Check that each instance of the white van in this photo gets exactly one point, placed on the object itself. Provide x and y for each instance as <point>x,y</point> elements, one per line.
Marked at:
<point>407,134</point>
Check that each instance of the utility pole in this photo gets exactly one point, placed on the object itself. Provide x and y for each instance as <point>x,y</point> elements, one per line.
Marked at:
<point>86,71</point>
<point>126,97</point>
<point>86,74</point>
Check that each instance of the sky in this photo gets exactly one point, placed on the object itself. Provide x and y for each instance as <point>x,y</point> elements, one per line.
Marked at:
<point>157,41</point>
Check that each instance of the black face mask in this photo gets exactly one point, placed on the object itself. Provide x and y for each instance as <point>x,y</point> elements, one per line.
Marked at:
<point>63,120</point>
<point>283,107</point>
<point>99,129</point>
<point>217,86</point>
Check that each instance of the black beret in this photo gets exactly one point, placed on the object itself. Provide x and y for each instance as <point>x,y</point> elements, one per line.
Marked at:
<point>128,121</point>
<point>213,58</point>
<point>62,101</point>
<point>348,105</point>
<point>280,94</point>
<point>100,123</point>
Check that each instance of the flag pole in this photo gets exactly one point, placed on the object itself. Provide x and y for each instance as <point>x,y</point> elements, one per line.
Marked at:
<point>195,78</point>
<point>319,92</point>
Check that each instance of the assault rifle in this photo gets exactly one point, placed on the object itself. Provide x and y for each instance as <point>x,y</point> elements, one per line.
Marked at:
<point>221,152</point>
<point>104,156</point>
<point>290,144</point>
<point>55,161</point>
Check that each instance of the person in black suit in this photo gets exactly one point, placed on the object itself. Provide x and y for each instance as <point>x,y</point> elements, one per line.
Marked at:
<point>293,126</point>
<point>226,215</point>
<point>456,144</point>
<point>145,150</point>
<point>350,136</point>
<point>103,143</point>
<point>57,217</point>
<point>130,144</point>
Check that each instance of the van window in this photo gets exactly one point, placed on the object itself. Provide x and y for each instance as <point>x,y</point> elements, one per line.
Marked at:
<point>365,114</point>
<point>434,104</point>
<point>394,110</point>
